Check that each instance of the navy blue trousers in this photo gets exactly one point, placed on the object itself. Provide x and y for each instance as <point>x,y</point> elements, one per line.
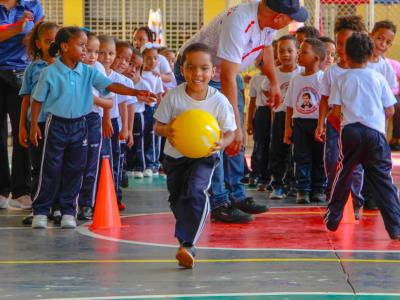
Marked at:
<point>362,145</point>
<point>331,160</point>
<point>35,156</point>
<point>150,139</point>
<point>308,156</point>
<point>262,138</point>
<point>87,196</point>
<point>135,157</point>
<point>63,165</point>
<point>279,153</point>
<point>188,182</point>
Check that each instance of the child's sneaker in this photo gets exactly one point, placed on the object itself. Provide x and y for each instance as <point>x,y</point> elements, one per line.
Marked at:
<point>185,256</point>
<point>28,219</point>
<point>22,202</point>
<point>39,222</point>
<point>148,173</point>
<point>121,206</point>
<point>252,182</point>
<point>277,194</point>
<point>3,202</point>
<point>85,213</point>
<point>302,197</point>
<point>318,197</point>
<point>68,222</point>
<point>155,173</point>
<point>138,174</point>
<point>56,217</point>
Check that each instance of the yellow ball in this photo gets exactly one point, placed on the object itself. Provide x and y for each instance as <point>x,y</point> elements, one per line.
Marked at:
<point>196,131</point>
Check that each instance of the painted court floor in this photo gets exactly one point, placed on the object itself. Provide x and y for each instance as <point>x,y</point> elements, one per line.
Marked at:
<point>285,253</point>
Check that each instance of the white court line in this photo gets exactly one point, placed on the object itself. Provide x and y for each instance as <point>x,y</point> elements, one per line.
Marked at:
<point>226,295</point>
<point>84,229</point>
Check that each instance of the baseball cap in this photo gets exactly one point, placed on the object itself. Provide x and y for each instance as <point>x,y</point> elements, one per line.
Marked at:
<point>291,8</point>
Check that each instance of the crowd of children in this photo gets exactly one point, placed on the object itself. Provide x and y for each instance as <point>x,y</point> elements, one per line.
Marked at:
<point>88,97</point>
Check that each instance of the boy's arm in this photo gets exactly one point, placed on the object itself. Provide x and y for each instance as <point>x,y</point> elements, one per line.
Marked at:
<point>35,133</point>
<point>121,89</point>
<point>123,111</point>
<point>323,112</point>
<point>165,130</point>
<point>108,130</point>
<point>288,126</point>
<point>131,120</point>
<point>250,117</point>
<point>103,102</point>
<point>336,111</point>
<point>226,140</point>
<point>23,133</point>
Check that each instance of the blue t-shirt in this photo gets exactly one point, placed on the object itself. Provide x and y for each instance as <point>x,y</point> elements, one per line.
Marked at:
<point>13,51</point>
<point>67,92</point>
<point>31,77</point>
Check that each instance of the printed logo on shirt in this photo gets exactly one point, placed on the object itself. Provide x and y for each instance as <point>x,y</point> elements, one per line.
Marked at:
<point>307,101</point>
<point>284,87</point>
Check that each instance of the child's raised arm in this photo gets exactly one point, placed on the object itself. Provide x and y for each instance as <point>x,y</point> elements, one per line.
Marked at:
<point>121,89</point>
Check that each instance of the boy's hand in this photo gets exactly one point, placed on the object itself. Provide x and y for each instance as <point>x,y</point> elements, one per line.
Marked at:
<point>319,135</point>
<point>123,135</point>
<point>21,23</point>
<point>146,97</point>
<point>130,141</point>
<point>216,148</point>
<point>169,132</point>
<point>35,135</point>
<point>250,129</point>
<point>23,137</point>
<point>108,130</point>
<point>288,136</point>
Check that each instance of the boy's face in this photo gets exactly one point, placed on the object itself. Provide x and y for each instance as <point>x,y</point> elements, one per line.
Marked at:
<point>382,40</point>
<point>330,53</point>
<point>300,37</point>
<point>92,53</point>
<point>107,54</point>
<point>341,39</point>
<point>134,66</point>
<point>198,70</point>
<point>307,56</point>
<point>122,59</point>
<point>170,56</point>
<point>287,53</point>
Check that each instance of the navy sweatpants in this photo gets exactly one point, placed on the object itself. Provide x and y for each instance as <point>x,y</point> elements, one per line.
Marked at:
<point>87,194</point>
<point>331,160</point>
<point>362,145</point>
<point>135,158</point>
<point>63,165</point>
<point>151,140</point>
<point>35,157</point>
<point>279,153</point>
<point>262,137</point>
<point>188,182</point>
<point>308,156</point>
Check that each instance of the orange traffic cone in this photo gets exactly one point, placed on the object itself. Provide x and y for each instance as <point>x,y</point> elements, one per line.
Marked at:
<point>106,213</point>
<point>348,213</point>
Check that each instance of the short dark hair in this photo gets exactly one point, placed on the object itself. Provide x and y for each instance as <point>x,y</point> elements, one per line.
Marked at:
<point>318,48</point>
<point>198,47</point>
<point>353,23</point>
<point>288,37</point>
<point>106,39</point>
<point>307,94</point>
<point>327,39</point>
<point>386,24</point>
<point>63,36</point>
<point>359,47</point>
<point>136,52</point>
<point>123,44</point>
<point>309,32</point>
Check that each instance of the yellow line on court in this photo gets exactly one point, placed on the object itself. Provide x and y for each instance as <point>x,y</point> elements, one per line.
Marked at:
<point>233,260</point>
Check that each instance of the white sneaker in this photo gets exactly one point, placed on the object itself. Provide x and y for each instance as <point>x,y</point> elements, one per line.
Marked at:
<point>155,173</point>
<point>68,222</point>
<point>130,173</point>
<point>148,173</point>
<point>3,202</point>
<point>23,202</point>
<point>138,174</point>
<point>39,222</point>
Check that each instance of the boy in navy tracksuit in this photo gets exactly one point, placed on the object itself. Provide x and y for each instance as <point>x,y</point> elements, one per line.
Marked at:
<point>189,179</point>
<point>365,100</point>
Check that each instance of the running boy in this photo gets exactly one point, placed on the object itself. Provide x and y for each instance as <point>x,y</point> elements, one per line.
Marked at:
<point>188,179</point>
<point>365,100</point>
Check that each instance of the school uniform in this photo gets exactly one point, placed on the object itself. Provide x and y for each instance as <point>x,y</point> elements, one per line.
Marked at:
<point>151,141</point>
<point>363,94</point>
<point>303,96</point>
<point>262,131</point>
<point>66,97</point>
<point>87,195</point>
<point>30,79</point>
<point>331,150</point>
<point>135,159</point>
<point>279,153</point>
<point>188,179</point>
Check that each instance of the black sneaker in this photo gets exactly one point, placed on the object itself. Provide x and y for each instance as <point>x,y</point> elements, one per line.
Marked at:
<point>302,197</point>
<point>230,214</point>
<point>249,206</point>
<point>330,224</point>
<point>318,197</point>
<point>85,213</point>
<point>28,219</point>
<point>56,217</point>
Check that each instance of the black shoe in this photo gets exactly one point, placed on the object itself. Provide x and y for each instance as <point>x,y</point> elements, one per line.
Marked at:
<point>395,236</point>
<point>318,197</point>
<point>249,206</point>
<point>252,182</point>
<point>302,197</point>
<point>124,180</point>
<point>56,217</point>
<point>230,214</point>
<point>85,213</point>
<point>245,180</point>
<point>28,219</point>
<point>330,225</point>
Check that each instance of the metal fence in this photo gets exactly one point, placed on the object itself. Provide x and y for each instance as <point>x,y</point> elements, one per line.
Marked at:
<point>53,10</point>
